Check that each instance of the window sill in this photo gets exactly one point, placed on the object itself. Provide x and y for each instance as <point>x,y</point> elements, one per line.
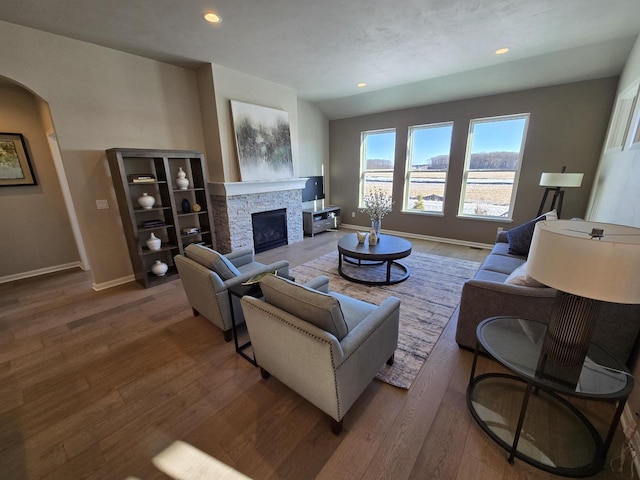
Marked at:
<point>485,219</point>
<point>416,212</point>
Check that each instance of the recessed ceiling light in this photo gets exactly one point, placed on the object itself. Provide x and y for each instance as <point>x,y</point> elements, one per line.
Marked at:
<point>361,85</point>
<point>212,17</point>
<point>502,51</point>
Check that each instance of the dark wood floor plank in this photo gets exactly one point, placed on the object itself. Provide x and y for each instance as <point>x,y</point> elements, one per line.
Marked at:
<point>82,466</point>
<point>366,426</point>
<point>441,453</point>
<point>397,455</point>
<point>95,384</point>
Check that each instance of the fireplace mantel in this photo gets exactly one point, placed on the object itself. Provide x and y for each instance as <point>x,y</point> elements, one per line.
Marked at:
<point>234,202</point>
<point>230,189</point>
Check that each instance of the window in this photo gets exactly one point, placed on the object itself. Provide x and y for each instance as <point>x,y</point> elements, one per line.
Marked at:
<point>377,153</point>
<point>427,166</point>
<point>492,166</point>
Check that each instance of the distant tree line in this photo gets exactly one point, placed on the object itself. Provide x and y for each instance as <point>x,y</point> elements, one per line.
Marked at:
<point>479,161</point>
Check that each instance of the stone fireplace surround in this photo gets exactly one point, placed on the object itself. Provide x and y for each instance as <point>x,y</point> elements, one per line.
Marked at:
<point>234,202</point>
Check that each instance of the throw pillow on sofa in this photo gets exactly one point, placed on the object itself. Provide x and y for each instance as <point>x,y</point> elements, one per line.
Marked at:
<point>519,238</point>
<point>520,277</point>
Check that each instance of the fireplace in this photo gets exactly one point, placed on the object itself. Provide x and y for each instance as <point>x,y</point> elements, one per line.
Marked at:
<point>269,229</point>
<point>234,202</point>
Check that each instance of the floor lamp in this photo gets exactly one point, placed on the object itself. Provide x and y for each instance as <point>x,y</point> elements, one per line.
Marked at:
<point>588,263</point>
<point>555,182</point>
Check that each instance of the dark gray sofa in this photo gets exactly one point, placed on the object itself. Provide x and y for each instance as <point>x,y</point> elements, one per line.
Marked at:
<point>486,295</point>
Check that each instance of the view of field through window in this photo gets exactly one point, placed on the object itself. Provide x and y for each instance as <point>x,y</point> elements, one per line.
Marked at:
<point>378,154</point>
<point>491,165</point>
<point>427,167</point>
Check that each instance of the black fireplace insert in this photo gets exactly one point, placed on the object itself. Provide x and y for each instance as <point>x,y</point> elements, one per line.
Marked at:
<point>269,229</point>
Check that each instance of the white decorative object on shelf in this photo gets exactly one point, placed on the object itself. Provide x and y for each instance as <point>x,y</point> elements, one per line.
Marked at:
<point>146,201</point>
<point>182,181</point>
<point>159,268</point>
<point>153,243</point>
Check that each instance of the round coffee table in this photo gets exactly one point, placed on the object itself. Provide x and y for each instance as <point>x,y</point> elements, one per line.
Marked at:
<point>389,249</point>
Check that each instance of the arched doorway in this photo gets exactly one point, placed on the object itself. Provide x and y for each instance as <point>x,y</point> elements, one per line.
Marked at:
<point>40,221</point>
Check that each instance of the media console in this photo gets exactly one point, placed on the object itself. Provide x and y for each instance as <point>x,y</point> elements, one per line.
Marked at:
<point>316,221</point>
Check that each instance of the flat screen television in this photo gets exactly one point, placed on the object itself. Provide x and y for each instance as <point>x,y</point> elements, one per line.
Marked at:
<point>314,189</point>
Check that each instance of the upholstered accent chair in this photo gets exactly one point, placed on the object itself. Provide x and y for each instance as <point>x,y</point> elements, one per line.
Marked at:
<point>206,275</point>
<point>325,346</point>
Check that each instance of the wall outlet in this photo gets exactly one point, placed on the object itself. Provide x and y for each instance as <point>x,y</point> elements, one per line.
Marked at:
<point>500,229</point>
<point>102,204</point>
<point>353,214</point>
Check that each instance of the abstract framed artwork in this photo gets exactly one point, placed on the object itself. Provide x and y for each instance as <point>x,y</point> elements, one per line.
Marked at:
<point>621,118</point>
<point>15,166</point>
<point>263,142</point>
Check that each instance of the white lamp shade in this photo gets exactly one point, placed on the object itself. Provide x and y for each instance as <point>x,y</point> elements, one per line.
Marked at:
<point>567,180</point>
<point>564,256</point>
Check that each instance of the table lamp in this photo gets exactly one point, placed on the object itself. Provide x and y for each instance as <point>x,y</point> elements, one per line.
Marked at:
<point>588,263</point>
<point>555,182</point>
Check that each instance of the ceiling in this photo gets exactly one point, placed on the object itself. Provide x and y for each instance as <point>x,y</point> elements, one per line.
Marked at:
<point>409,52</point>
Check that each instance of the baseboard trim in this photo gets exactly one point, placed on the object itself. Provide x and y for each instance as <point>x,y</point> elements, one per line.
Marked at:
<point>41,271</point>
<point>452,241</point>
<point>113,283</point>
<point>628,421</point>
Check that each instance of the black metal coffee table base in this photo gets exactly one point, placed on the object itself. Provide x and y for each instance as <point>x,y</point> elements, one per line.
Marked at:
<point>360,263</point>
<point>388,250</point>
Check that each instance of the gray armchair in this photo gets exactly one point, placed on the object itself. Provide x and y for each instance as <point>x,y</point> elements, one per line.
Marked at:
<point>206,275</point>
<point>325,346</point>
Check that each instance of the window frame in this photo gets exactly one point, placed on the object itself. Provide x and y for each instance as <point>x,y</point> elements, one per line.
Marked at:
<point>363,161</point>
<point>516,177</point>
<point>408,170</point>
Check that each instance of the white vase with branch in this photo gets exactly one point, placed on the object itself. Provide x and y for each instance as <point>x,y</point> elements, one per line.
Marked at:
<point>377,203</point>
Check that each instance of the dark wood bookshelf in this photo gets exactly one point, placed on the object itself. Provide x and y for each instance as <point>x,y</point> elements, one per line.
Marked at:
<point>164,166</point>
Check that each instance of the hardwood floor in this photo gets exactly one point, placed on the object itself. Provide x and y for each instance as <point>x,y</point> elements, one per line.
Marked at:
<point>95,384</point>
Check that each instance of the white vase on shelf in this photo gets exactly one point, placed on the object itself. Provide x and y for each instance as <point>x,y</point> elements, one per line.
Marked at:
<point>153,243</point>
<point>159,268</point>
<point>146,201</point>
<point>182,181</point>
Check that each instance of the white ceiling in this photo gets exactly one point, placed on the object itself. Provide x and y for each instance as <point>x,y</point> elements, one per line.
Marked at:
<point>409,52</point>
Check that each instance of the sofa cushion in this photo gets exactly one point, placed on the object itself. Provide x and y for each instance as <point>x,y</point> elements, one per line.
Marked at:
<point>317,308</point>
<point>503,249</point>
<point>490,276</point>
<point>520,277</point>
<point>520,237</point>
<point>212,260</point>
<point>502,263</point>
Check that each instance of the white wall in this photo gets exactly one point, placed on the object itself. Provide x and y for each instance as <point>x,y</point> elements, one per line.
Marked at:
<point>101,98</point>
<point>233,85</point>
<point>313,139</point>
<point>33,218</point>
<point>616,194</point>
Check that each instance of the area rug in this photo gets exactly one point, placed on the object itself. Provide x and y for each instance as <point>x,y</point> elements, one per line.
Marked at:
<point>428,299</point>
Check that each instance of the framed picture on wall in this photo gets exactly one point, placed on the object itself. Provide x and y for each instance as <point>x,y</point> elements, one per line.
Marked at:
<point>263,142</point>
<point>15,165</point>
<point>621,118</point>
<point>633,135</point>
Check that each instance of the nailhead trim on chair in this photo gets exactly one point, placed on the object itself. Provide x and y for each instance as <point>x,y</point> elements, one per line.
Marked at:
<point>333,363</point>
<point>215,297</point>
